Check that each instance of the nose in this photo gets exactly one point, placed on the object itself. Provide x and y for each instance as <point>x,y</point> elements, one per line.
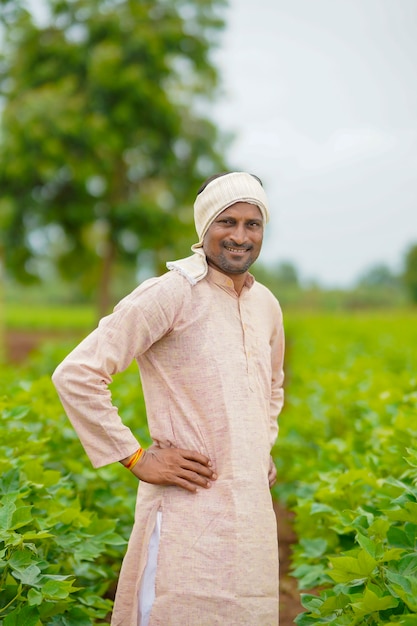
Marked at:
<point>239,235</point>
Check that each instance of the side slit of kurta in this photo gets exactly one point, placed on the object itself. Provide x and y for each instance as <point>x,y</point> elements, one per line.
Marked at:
<point>147,583</point>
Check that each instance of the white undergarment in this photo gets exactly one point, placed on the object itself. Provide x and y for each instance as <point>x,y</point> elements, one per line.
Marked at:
<point>147,585</point>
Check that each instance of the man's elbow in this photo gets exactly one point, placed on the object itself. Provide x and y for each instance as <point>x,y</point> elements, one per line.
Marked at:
<point>58,377</point>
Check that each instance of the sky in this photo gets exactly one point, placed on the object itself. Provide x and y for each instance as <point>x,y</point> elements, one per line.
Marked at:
<point>322,98</point>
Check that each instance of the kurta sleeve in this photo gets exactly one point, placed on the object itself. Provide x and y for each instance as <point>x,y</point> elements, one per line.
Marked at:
<point>277,382</point>
<point>83,377</point>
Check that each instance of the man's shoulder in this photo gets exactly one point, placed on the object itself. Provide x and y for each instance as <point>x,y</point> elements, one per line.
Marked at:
<point>261,290</point>
<point>169,286</point>
<point>266,300</point>
<point>168,280</point>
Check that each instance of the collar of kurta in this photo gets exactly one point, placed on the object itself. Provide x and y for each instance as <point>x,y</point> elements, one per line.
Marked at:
<point>222,280</point>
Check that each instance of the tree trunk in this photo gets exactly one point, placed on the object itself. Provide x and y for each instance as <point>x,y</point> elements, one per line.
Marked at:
<point>104,292</point>
<point>2,310</point>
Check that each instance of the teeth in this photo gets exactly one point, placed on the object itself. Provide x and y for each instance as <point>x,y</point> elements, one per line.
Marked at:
<point>235,249</point>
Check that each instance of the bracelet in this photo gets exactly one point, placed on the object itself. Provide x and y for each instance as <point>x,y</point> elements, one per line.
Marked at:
<point>135,458</point>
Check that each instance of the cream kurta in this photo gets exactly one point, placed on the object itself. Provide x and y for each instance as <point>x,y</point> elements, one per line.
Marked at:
<point>211,368</point>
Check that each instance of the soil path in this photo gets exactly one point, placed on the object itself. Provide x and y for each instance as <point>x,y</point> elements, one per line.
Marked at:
<point>19,345</point>
<point>289,595</point>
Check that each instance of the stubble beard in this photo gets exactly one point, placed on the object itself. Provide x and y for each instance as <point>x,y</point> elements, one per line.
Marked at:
<point>233,268</point>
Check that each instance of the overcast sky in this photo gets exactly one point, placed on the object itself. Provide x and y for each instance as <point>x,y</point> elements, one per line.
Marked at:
<point>322,95</point>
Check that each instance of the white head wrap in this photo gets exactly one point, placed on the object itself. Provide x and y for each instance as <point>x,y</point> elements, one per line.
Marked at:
<point>219,194</point>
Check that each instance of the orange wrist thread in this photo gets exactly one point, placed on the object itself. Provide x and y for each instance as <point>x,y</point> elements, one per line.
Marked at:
<point>135,458</point>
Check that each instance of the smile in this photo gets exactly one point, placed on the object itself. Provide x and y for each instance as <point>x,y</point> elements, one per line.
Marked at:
<point>236,250</point>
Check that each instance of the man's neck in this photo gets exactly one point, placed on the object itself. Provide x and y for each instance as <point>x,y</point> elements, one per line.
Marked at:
<point>239,281</point>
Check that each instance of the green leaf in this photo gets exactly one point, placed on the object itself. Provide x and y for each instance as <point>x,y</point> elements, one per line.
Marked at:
<point>305,619</point>
<point>311,602</point>
<point>76,617</point>
<point>57,589</point>
<point>6,515</point>
<point>379,528</point>
<point>393,554</point>
<point>32,535</point>
<point>29,576</point>
<point>21,517</point>
<point>34,597</point>
<point>405,620</point>
<point>405,513</point>
<point>349,569</point>
<point>310,576</point>
<point>37,475</point>
<point>9,482</point>
<point>368,545</point>
<point>22,616</point>
<point>373,603</point>
<point>16,412</point>
<point>313,548</point>
<point>403,587</point>
<point>318,507</point>
<point>335,603</point>
<point>407,565</point>
<point>20,560</point>
<point>405,537</point>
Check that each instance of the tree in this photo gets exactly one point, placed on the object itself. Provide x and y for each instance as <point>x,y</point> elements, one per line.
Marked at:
<point>278,277</point>
<point>101,145</point>
<point>378,276</point>
<point>410,272</point>
<point>286,274</point>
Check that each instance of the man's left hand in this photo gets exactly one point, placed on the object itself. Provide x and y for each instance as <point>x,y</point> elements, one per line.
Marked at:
<point>272,474</point>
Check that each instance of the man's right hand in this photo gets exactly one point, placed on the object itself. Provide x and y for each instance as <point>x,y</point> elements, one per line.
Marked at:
<point>173,466</point>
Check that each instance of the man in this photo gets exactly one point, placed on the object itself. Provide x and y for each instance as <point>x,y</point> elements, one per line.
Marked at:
<point>209,343</point>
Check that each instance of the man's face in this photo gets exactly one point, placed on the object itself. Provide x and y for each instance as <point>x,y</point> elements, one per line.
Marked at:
<point>233,241</point>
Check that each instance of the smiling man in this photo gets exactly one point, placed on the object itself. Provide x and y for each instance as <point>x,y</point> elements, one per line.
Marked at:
<point>209,343</point>
<point>233,241</point>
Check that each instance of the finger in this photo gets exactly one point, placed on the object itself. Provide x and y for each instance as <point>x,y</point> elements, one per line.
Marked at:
<point>194,478</point>
<point>193,455</point>
<point>198,469</point>
<point>272,474</point>
<point>184,484</point>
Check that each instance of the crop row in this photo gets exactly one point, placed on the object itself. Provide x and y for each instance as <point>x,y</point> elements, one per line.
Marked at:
<point>63,525</point>
<point>347,461</point>
<point>347,465</point>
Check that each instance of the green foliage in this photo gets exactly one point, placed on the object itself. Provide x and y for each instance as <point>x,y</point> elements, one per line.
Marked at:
<point>63,525</point>
<point>346,460</point>
<point>278,276</point>
<point>50,318</point>
<point>102,144</point>
<point>349,467</point>
<point>378,276</point>
<point>377,289</point>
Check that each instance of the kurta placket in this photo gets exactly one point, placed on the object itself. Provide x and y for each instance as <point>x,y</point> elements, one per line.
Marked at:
<point>247,340</point>
<point>211,369</point>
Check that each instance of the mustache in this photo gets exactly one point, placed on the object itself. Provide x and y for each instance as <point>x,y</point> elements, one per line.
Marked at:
<point>244,246</point>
